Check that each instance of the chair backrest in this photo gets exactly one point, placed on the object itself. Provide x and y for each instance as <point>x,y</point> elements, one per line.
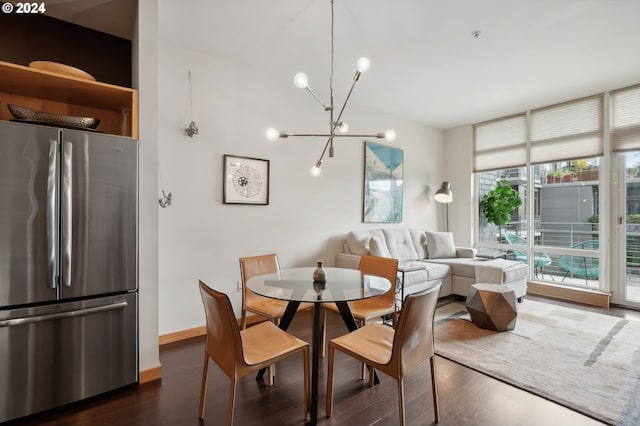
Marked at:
<point>580,266</point>
<point>413,339</point>
<point>381,267</point>
<point>224,344</point>
<point>257,265</point>
<point>589,264</point>
<point>514,239</point>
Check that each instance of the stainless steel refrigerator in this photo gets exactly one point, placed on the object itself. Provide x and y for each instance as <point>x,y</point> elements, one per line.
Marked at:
<point>68,266</point>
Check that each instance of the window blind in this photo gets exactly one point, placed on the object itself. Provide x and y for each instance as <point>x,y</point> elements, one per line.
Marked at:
<point>625,119</point>
<point>569,130</point>
<point>500,144</point>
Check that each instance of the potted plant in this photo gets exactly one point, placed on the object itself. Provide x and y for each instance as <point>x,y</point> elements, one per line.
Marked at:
<point>556,176</point>
<point>567,175</point>
<point>497,205</point>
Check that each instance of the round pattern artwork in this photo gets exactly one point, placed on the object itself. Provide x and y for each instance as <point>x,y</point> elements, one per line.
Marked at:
<point>247,182</point>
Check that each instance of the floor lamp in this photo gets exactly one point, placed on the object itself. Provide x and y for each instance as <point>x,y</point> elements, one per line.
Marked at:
<point>444,195</point>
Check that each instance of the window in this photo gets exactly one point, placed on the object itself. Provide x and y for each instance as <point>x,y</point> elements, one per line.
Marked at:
<point>556,151</point>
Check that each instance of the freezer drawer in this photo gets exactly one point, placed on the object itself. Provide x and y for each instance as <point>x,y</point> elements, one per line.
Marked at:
<point>56,354</point>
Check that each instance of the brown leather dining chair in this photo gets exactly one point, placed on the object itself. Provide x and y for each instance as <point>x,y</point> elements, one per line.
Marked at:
<point>394,352</point>
<point>239,353</point>
<point>374,307</point>
<point>270,308</point>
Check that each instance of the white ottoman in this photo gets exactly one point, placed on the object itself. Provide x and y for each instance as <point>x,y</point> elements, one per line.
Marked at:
<point>509,273</point>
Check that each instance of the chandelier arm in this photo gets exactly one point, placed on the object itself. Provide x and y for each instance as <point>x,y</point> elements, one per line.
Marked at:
<point>344,105</point>
<point>316,97</point>
<point>324,151</point>
<point>322,135</point>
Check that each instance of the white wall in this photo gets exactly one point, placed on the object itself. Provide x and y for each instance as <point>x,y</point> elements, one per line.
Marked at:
<point>146,67</point>
<point>307,218</point>
<point>459,171</point>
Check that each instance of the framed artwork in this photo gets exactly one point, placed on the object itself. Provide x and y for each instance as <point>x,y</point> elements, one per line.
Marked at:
<point>383,181</point>
<point>246,180</point>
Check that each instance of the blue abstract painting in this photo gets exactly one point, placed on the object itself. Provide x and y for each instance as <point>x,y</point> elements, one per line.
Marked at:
<point>383,174</point>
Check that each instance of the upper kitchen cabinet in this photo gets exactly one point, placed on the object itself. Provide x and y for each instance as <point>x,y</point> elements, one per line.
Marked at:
<point>115,106</point>
<point>60,36</point>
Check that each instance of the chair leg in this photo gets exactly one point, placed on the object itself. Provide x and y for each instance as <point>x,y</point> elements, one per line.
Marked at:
<point>232,401</point>
<point>434,387</point>
<point>330,381</point>
<point>203,387</point>
<point>307,404</point>
<point>360,324</point>
<point>372,373</point>
<point>272,373</point>
<point>272,367</point>
<point>401,400</point>
<point>243,319</point>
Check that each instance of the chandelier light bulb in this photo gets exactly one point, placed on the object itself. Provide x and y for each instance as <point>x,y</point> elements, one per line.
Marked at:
<point>343,127</point>
<point>390,135</point>
<point>316,170</point>
<point>301,80</point>
<point>272,133</point>
<point>364,64</point>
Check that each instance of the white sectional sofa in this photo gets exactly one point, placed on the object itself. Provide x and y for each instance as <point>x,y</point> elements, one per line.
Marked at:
<point>426,258</point>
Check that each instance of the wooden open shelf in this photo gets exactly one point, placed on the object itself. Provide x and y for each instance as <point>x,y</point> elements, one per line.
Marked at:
<point>115,106</point>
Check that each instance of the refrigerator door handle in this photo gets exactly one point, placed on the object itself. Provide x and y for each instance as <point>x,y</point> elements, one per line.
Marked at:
<point>62,315</point>
<point>67,219</point>
<point>52,215</point>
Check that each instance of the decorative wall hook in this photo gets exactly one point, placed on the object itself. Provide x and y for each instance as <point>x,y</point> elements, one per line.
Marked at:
<point>165,200</point>
<point>193,128</point>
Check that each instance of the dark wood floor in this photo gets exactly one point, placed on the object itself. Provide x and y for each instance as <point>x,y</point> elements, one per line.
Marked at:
<point>466,397</point>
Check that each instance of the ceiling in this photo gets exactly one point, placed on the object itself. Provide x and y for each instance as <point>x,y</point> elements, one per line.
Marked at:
<point>426,63</point>
<point>116,17</point>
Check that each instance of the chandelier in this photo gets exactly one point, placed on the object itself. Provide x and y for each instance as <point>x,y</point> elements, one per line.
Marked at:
<point>301,81</point>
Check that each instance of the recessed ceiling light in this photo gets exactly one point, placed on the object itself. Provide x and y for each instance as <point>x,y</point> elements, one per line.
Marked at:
<point>476,34</point>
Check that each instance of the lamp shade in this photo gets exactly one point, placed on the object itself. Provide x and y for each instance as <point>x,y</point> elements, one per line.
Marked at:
<point>444,194</point>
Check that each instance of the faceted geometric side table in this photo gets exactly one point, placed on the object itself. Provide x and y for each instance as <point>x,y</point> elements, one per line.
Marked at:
<point>492,306</point>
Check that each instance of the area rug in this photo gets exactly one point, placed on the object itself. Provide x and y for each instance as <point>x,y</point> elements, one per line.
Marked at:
<point>585,361</point>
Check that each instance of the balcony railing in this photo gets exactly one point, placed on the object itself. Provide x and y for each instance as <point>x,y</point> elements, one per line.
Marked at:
<point>568,234</point>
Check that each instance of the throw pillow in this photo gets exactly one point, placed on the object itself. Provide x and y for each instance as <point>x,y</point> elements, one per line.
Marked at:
<point>440,245</point>
<point>377,248</point>
<point>358,242</point>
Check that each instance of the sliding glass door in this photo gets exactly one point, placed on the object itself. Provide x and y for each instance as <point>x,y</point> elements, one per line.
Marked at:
<point>629,227</point>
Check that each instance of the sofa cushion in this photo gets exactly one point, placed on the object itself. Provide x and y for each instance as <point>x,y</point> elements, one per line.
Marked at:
<point>358,242</point>
<point>400,244</point>
<point>500,271</point>
<point>418,237</point>
<point>462,267</point>
<point>378,248</point>
<point>440,245</point>
<point>422,272</point>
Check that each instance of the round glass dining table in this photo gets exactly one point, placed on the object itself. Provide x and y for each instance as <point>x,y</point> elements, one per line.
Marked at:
<point>296,285</point>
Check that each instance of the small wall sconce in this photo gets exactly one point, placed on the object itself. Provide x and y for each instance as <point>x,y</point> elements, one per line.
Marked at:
<point>193,128</point>
<point>165,200</point>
